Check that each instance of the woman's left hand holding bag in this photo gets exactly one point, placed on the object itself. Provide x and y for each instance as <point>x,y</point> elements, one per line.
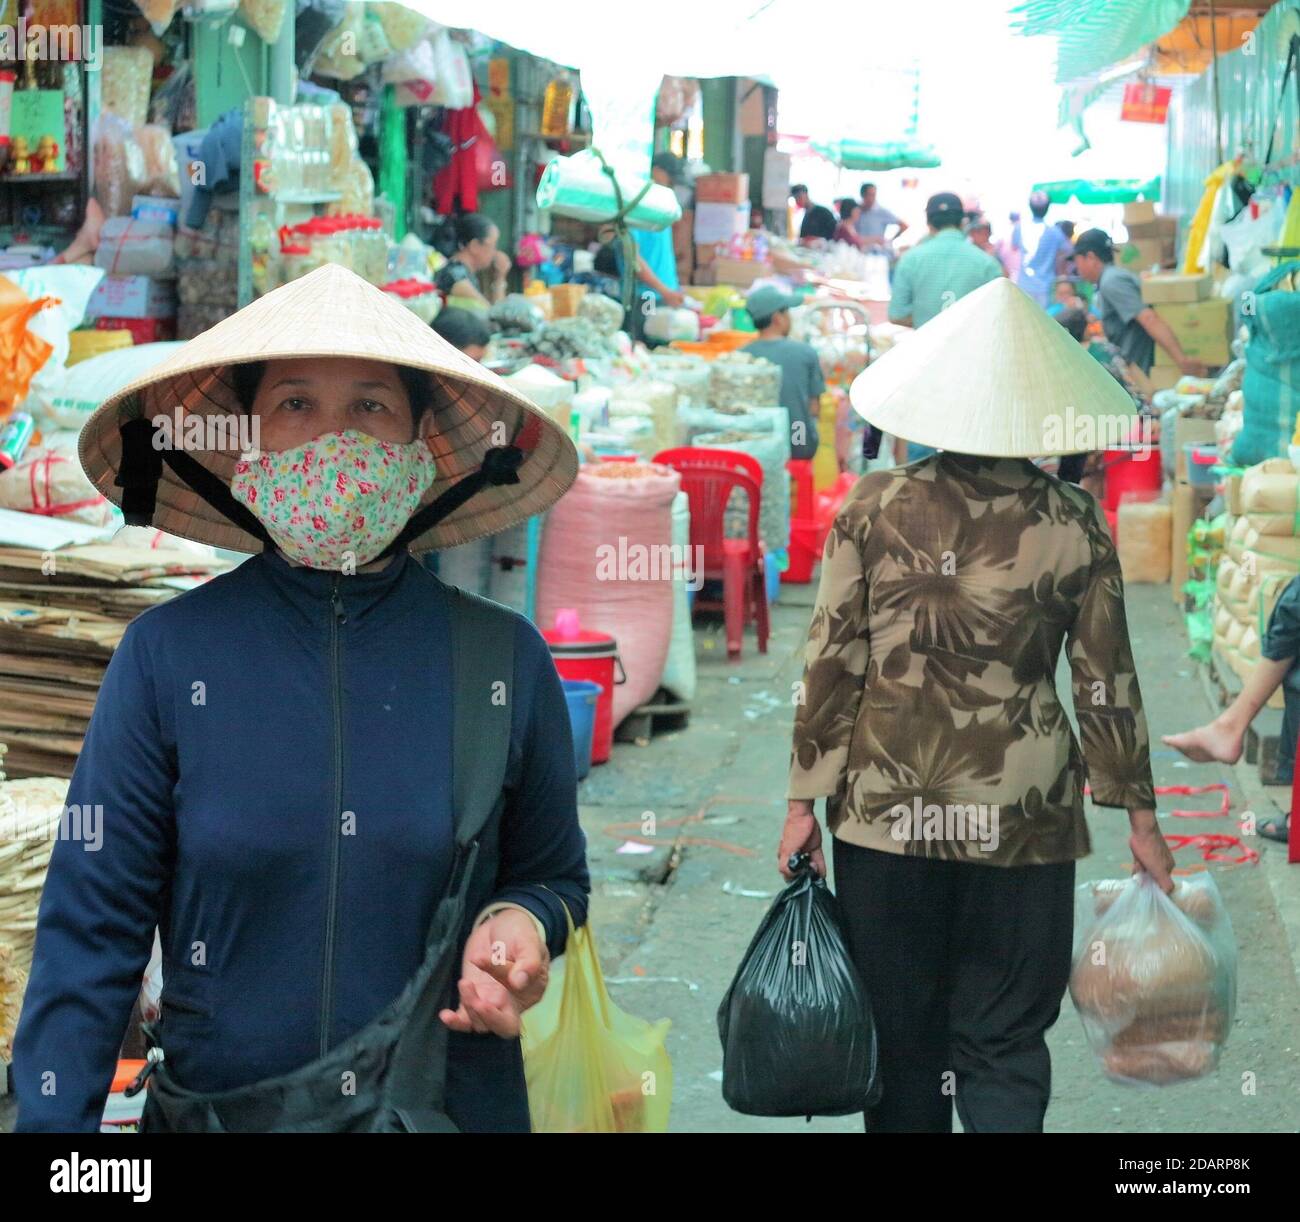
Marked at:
<point>503,973</point>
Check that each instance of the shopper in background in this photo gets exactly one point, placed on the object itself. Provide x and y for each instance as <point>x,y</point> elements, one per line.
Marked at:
<point>1130,324</point>
<point>846,230</point>
<point>933,275</point>
<point>1044,250</point>
<point>980,233</point>
<point>656,272</point>
<point>818,224</point>
<point>1009,247</point>
<point>874,220</point>
<point>1065,296</point>
<point>465,330</point>
<point>801,369</point>
<point>474,241</point>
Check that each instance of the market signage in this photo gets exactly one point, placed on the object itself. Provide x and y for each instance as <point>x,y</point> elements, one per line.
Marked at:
<point>1145,103</point>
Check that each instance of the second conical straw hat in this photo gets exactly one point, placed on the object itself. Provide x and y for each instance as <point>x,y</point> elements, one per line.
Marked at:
<point>995,375</point>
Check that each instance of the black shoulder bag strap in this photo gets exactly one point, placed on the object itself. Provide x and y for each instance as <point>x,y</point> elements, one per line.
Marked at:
<point>482,644</point>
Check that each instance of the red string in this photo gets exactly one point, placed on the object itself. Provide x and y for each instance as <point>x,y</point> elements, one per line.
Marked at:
<point>1208,842</point>
<point>42,467</point>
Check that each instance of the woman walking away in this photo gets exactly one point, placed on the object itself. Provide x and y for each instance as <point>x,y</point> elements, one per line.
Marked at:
<point>930,720</point>
<point>343,791</point>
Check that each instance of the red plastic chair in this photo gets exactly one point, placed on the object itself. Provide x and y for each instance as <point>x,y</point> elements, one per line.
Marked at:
<point>709,477</point>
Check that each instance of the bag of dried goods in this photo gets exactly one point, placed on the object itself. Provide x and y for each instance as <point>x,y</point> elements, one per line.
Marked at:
<point>161,176</point>
<point>772,449</point>
<point>738,381</point>
<point>338,58</point>
<point>402,27</point>
<point>606,552</point>
<point>265,16</point>
<point>48,481</point>
<point>1145,540</point>
<point>125,78</point>
<point>158,13</point>
<point>128,247</point>
<point>120,171</point>
<point>1270,497</point>
<point>1154,977</point>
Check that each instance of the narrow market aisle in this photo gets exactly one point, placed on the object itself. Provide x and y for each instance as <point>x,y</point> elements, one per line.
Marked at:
<point>671,949</point>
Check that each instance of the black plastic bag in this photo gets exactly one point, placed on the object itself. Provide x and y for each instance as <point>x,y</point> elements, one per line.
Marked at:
<point>797,1033</point>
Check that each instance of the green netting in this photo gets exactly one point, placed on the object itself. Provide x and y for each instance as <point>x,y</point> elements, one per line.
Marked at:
<point>1100,190</point>
<point>1092,34</point>
<point>879,155</point>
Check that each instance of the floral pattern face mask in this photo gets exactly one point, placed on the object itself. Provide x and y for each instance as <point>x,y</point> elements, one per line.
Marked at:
<point>338,500</point>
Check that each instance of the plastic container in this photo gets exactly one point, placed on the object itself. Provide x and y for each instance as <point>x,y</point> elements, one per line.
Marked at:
<point>591,657</point>
<point>583,698</point>
<point>1201,463</point>
<point>772,577</point>
<point>1131,471</point>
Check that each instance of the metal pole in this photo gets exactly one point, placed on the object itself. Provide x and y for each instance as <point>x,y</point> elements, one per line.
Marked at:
<point>282,63</point>
<point>1214,68</point>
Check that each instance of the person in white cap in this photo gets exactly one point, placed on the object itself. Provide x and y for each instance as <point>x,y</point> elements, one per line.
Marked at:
<point>929,719</point>
<point>344,792</point>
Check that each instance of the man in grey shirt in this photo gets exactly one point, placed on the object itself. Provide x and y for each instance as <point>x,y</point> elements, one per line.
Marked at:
<point>1130,324</point>
<point>874,220</point>
<point>801,369</point>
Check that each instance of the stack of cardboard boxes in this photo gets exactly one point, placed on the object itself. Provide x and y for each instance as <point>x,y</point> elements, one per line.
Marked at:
<point>1151,238</point>
<point>721,215</point>
<point>144,305</point>
<point>1202,324</point>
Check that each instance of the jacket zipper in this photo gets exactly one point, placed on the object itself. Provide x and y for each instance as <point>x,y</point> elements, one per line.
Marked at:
<point>337,619</point>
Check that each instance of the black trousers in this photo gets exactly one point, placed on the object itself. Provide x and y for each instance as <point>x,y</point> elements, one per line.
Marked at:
<point>965,965</point>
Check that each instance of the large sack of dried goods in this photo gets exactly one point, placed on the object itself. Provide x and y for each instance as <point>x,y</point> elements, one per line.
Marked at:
<point>607,552</point>
<point>1145,541</point>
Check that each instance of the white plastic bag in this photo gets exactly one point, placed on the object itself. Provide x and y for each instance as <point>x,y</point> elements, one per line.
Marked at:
<point>128,247</point>
<point>88,383</point>
<point>455,88</point>
<point>71,284</point>
<point>1154,977</point>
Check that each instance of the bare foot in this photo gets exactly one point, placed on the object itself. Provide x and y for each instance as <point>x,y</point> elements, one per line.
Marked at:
<point>1207,744</point>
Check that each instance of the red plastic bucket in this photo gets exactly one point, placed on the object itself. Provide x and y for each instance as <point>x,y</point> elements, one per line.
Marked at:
<point>592,656</point>
<point>1131,471</point>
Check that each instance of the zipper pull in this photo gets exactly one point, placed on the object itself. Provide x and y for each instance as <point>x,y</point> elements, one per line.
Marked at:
<point>153,1058</point>
<point>336,602</point>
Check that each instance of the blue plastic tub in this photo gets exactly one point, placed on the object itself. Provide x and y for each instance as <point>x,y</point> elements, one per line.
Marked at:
<point>581,698</point>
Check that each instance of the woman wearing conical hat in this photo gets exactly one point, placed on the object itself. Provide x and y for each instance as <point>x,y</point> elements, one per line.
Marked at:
<point>343,791</point>
<point>930,720</point>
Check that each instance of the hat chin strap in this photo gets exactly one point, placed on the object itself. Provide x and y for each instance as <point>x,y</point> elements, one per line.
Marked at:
<point>141,469</point>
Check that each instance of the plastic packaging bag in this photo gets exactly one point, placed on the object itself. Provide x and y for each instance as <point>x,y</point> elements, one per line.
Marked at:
<point>797,1034</point>
<point>119,164</point>
<point>128,247</point>
<point>71,287</point>
<point>1154,977</point>
<point>161,176</point>
<point>265,16</point>
<point>591,1067</point>
<point>90,382</point>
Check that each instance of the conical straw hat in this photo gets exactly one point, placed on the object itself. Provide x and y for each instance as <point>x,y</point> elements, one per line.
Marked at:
<point>994,374</point>
<point>333,313</point>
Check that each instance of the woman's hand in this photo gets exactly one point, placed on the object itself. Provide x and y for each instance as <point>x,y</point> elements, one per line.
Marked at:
<point>500,265</point>
<point>1150,852</point>
<point>503,973</point>
<point>801,834</point>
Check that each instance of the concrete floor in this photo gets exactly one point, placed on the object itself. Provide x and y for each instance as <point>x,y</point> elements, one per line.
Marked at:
<point>671,949</point>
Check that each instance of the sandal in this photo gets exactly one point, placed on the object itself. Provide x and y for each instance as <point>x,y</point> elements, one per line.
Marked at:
<point>1276,829</point>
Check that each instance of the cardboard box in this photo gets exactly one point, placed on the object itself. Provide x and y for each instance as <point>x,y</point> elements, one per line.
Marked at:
<point>720,222</point>
<point>1162,377</point>
<point>1139,212</point>
<point>143,330</point>
<point>132,297</point>
<point>1203,328</point>
<point>1163,228</point>
<point>721,189</point>
<point>705,254</point>
<point>1145,253</point>
<point>1175,287</point>
<point>740,273</point>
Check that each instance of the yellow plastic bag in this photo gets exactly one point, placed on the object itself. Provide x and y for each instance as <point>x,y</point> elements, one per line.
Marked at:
<point>590,1067</point>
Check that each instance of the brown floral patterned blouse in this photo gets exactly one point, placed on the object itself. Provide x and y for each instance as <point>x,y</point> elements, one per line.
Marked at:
<point>929,716</point>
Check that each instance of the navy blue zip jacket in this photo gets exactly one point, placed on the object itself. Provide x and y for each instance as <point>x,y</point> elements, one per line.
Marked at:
<point>272,755</point>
